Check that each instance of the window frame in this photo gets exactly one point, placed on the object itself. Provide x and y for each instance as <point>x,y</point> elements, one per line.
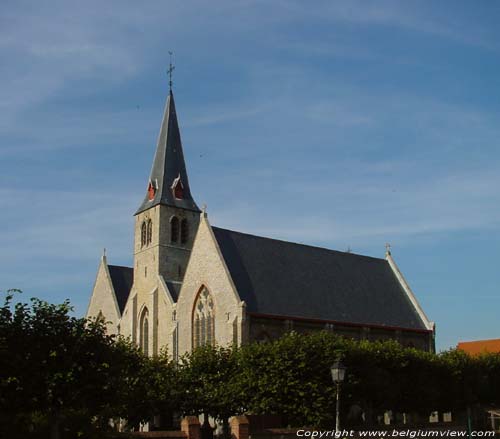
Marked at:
<point>203,319</point>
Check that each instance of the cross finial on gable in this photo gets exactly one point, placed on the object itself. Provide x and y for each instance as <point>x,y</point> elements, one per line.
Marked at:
<point>387,249</point>
<point>170,70</point>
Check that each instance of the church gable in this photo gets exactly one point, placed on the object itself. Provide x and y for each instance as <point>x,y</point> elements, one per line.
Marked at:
<point>104,301</point>
<point>209,309</point>
<point>286,279</point>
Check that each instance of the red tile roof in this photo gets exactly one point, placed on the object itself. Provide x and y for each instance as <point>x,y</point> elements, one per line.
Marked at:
<point>479,346</point>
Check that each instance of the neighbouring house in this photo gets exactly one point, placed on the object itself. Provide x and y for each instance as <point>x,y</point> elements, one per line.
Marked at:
<point>479,346</point>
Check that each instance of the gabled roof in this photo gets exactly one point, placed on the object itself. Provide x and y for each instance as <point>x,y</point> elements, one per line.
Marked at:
<point>286,279</point>
<point>122,279</point>
<point>168,165</point>
<point>479,346</point>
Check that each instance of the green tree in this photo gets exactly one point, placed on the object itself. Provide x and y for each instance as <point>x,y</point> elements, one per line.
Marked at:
<point>210,377</point>
<point>291,377</point>
<point>150,386</point>
<point>57,372</point>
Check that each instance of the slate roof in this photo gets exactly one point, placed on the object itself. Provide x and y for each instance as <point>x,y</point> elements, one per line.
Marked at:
<point>122,279</point>
<point>169,164</point>
<point>174,288</point>
<point>287,279</point>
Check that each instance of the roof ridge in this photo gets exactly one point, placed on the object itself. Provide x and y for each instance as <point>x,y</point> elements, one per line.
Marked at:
<point>300,244</point>
<point>120,266</point>
<point>481,341</point>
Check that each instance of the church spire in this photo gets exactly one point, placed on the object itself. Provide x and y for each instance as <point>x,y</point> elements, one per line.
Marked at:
<point>168,182</point>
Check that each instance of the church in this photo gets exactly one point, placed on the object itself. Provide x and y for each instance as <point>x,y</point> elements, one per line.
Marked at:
<point>193,284</point>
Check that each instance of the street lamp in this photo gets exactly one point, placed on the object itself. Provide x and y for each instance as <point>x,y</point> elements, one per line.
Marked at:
<point>338,375</point>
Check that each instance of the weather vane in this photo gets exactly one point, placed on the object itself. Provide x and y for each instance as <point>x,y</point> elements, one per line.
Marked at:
<point>170,70</point>
<point>388,248</point>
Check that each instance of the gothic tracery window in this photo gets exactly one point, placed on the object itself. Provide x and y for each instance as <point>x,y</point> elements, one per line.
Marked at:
<point>204,320</point>
<point>184,231</point>
<point>174,229</point>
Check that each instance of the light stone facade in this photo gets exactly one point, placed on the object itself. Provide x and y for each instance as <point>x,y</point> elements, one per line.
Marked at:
<point>168,326</point>
<point>207,269</point>
<point>162,256</point>
<point>103,300</point>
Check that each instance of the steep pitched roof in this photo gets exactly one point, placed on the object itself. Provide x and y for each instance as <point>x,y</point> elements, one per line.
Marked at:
<point>122,279</point>
<point>169,167</point>
<point>287,279</point>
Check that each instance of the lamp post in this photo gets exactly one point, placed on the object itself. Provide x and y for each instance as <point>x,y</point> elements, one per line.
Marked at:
<point>338,375</point>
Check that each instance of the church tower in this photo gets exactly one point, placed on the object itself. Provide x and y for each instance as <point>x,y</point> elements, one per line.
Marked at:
<point>167,220</point>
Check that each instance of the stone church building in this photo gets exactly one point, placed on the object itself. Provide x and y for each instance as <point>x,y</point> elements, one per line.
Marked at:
<point>193,283</point>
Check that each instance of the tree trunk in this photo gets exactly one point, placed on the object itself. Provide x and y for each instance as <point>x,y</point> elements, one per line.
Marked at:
<point>226,434</point>
<point>55,428</point>
<point>207,432</point>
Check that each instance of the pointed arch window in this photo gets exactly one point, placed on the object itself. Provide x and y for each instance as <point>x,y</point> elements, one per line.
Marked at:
<point>144,332</point>
<point>184,231</point>
<point>174,229</point>
<point>204,320</point>
<point>149,231</point>
<point>144,234</point>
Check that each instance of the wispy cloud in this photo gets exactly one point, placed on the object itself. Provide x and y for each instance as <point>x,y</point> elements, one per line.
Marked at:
<point>215,115</point>
<point>350,123</point>
<point>75,225</point>
<point>368,211</point>
<point>415,16</point>
<point>56,242</point>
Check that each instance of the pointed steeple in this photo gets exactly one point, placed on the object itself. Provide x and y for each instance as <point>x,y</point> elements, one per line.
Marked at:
<point>168,182</point>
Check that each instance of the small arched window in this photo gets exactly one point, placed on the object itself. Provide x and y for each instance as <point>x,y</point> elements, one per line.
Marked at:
<point>149,237</point>
<point>144,234</point>
<point>174,229</point>
<point>144,332</point>
<point>184,231</point>
<point>204,320</point>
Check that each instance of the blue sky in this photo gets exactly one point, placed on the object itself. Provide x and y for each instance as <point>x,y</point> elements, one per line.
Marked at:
<point>340,124</point>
